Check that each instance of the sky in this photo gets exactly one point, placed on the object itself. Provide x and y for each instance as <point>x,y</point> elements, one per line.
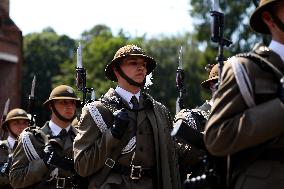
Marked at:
<point>72,17</point>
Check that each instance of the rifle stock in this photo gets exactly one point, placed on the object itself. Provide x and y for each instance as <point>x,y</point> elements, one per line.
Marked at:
<point>217,31</point>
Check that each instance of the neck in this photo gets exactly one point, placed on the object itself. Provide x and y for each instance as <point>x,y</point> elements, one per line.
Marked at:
<point>60,123</point>
<point>131,88</point>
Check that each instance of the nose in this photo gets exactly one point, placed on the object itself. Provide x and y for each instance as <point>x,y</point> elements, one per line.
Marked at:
<point>141,66</point>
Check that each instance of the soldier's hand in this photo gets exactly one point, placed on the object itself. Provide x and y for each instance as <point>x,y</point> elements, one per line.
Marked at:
<point>4,169</point>
<point>48,154</point>
<point>51,157</point>
<point>121,122</point>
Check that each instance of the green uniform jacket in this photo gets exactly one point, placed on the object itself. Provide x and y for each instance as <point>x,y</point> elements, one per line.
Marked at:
<point>236,130</point>
<point>4,153</point>
<point>95,143</point>
<point>33,174</point>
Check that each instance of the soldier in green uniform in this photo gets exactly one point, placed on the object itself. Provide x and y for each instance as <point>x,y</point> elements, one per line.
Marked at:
<point>193,158</point>
<point>16,121</point>
<point>124,137</point>
<point>43,157</point>
<point>246,122</point>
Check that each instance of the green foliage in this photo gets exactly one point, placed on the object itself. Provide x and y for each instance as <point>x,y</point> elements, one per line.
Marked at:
<point>43,53</point>
<point>236,26</point>
<point>166,53</point>
<point>53,59</point>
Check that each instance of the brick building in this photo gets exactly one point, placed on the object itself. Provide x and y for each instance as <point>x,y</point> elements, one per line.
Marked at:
<point>10,59</point>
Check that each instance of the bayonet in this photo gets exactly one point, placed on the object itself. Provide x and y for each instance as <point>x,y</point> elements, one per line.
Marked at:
<point>180,58</point>
<point>33,87</point>
<point>81,77</point>
<point>179,82</point>
<point>6,109</point>
<point>31,102</point>
<point>4,115</point>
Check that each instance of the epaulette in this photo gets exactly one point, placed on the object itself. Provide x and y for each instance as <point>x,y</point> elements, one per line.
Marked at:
<point>37,133</point>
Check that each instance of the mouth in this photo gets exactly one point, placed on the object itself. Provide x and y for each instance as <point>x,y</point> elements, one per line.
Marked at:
<point>140,75</point>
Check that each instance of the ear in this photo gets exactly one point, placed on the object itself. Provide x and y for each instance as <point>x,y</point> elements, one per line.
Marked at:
<point>115,72</point>
<point>267,19</point>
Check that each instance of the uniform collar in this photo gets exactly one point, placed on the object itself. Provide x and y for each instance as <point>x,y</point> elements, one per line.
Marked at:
<point>11,142</point>
<point>126,95</point>
<point>55,129</point>
<point>278,48</point>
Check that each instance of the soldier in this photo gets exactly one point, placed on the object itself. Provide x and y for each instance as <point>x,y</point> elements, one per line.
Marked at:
<point>16,121</point>
<point>124,137</point>
<point>43,156</point>
<point>193,157</point>
<point>246,123</point>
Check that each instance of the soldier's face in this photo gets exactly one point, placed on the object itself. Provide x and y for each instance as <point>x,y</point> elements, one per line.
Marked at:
<point>18,125</point>
<point>134,67</point>
<point>66,108</point>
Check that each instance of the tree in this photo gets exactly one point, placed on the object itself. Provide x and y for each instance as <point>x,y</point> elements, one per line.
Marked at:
<point>99,46</point>
<point>43,53</point>
<point>165,50</point>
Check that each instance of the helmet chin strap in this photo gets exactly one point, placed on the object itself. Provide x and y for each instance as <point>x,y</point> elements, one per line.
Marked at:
<point>12,133</point>
<point>60,116</point>
<point>130,81</point>
<point>277,21</point>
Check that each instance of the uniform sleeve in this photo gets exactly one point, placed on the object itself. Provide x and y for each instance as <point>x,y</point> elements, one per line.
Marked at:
<point>187,154</point>
<point>93,143</point>
<point>233,126</point>
<point>24,173</point>
<point>4,179</point>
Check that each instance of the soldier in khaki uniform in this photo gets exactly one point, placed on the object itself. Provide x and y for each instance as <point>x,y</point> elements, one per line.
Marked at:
<point>246,123</point>
<point>16,121</point>
<point>193,159</point>
<point>124,138</point>
<point>43,156</point>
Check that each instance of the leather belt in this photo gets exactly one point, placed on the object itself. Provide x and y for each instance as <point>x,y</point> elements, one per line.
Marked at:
<point>61,182</point>
<point>134,172</point>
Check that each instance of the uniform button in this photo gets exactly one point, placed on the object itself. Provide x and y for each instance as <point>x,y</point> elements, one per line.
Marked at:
<point>140,132</point>
<point>141,149</point>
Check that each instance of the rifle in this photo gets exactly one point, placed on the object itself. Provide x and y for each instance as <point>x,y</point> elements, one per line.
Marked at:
<point>81,78</point>
<point>179,83</point>
<point>32,103</point>
<point>4,115</point>
<point>217,29</point>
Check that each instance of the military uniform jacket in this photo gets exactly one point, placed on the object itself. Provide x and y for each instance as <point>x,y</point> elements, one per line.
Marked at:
<point>237,130</point>
<point>29,171</point>
<point>5,150</point>
<point>153,145</point>
<point>190,156</point>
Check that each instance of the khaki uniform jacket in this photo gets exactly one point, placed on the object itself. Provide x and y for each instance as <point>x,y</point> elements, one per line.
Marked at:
<point>4,153</point>
<point>95,143</point>
<point>34,174</point>
<point>236,130</point>
<point>189,155</point>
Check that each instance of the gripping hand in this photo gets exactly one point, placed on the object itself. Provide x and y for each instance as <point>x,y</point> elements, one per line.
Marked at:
<point>51,157</point>
<point>120,125</point>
